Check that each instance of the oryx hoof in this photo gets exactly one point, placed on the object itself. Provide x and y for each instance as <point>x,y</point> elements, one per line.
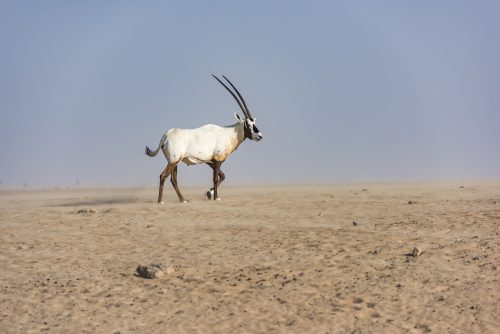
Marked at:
<point>183,201</point>
<point>210,193</point>
<point>218,199</point>
<point>161,203</point>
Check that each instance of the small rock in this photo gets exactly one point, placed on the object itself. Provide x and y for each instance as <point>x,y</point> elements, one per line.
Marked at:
<point>357,300</point>
<point>416,252</point>
<point>154,270</point>
<point>149,272</point>
<point>86,211</point>
<point>461,187</point>
<point>354,223</point>
<point>320,214</point>
<point>412,202</point>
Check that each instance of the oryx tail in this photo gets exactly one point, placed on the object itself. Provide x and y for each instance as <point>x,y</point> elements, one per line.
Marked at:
<point>160,145</point>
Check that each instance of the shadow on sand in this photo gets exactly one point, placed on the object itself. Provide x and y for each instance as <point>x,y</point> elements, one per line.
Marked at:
<point>98,201</point>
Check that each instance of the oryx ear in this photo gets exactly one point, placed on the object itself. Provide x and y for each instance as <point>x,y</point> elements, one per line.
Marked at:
<point>238,118</point>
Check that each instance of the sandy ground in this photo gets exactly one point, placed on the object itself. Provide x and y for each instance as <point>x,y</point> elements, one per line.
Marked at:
<point>262,260</point>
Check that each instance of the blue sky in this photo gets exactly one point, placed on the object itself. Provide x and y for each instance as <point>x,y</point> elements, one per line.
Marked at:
<point>349,91</point>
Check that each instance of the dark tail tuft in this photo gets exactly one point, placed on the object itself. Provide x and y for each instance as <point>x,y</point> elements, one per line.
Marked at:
<point>150,153</point>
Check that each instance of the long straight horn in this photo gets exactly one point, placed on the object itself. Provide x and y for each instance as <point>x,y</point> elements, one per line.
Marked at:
<point>241,97</point>
<point>239,103</point>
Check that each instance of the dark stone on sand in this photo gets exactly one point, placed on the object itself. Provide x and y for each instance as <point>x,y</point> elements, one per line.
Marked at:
<point>86,211</point>
<point>154,270</point>
<point>416,252</point>
<point>149,272</point>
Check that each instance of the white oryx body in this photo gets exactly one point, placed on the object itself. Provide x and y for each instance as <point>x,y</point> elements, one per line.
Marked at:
<point>201,145</point>
<point>210,144</point>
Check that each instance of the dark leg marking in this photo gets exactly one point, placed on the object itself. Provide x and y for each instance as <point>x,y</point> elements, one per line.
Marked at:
<point>163,176</point>
<point>216,180</point>
<point>222,177</point>
<point>173,179</point>
<point>218,177</point>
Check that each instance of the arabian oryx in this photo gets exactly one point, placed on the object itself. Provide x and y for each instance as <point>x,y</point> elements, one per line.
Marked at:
<point>209,144</point>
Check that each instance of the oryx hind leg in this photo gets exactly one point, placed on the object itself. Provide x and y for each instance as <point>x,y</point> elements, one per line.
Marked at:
<point>163,176</point>
<point>173,179</point>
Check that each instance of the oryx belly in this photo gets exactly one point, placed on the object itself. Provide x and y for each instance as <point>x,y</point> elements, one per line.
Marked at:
<point>193,161</point>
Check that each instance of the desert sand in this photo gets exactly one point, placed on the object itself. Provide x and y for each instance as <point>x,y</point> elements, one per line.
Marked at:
<point>284,259</point>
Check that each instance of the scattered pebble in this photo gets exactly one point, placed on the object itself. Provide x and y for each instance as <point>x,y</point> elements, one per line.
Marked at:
<point>357,300</point>
<point>354,223</point>
<point>412,202</point>
<point>423,327</point>
<point>416,252</point>
<point>87,211</point>
<point>320,214</point>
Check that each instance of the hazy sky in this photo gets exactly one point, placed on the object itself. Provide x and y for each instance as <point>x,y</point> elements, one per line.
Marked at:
<point>342,91</point>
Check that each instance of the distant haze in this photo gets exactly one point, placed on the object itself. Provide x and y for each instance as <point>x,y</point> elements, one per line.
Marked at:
<point>342,91</point>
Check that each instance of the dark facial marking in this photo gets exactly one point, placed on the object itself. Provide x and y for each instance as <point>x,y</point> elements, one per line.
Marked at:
<point>248,131</point>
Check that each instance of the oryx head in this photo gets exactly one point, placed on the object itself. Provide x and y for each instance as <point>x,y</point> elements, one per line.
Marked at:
<point>251,131</point>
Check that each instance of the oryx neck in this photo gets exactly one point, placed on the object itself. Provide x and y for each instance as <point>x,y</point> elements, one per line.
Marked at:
<point>239,129</point>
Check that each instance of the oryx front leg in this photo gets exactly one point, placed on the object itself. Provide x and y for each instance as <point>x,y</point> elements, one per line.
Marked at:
<point>163,176</point>
<point>218,177</point>
<point>173,179</point>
